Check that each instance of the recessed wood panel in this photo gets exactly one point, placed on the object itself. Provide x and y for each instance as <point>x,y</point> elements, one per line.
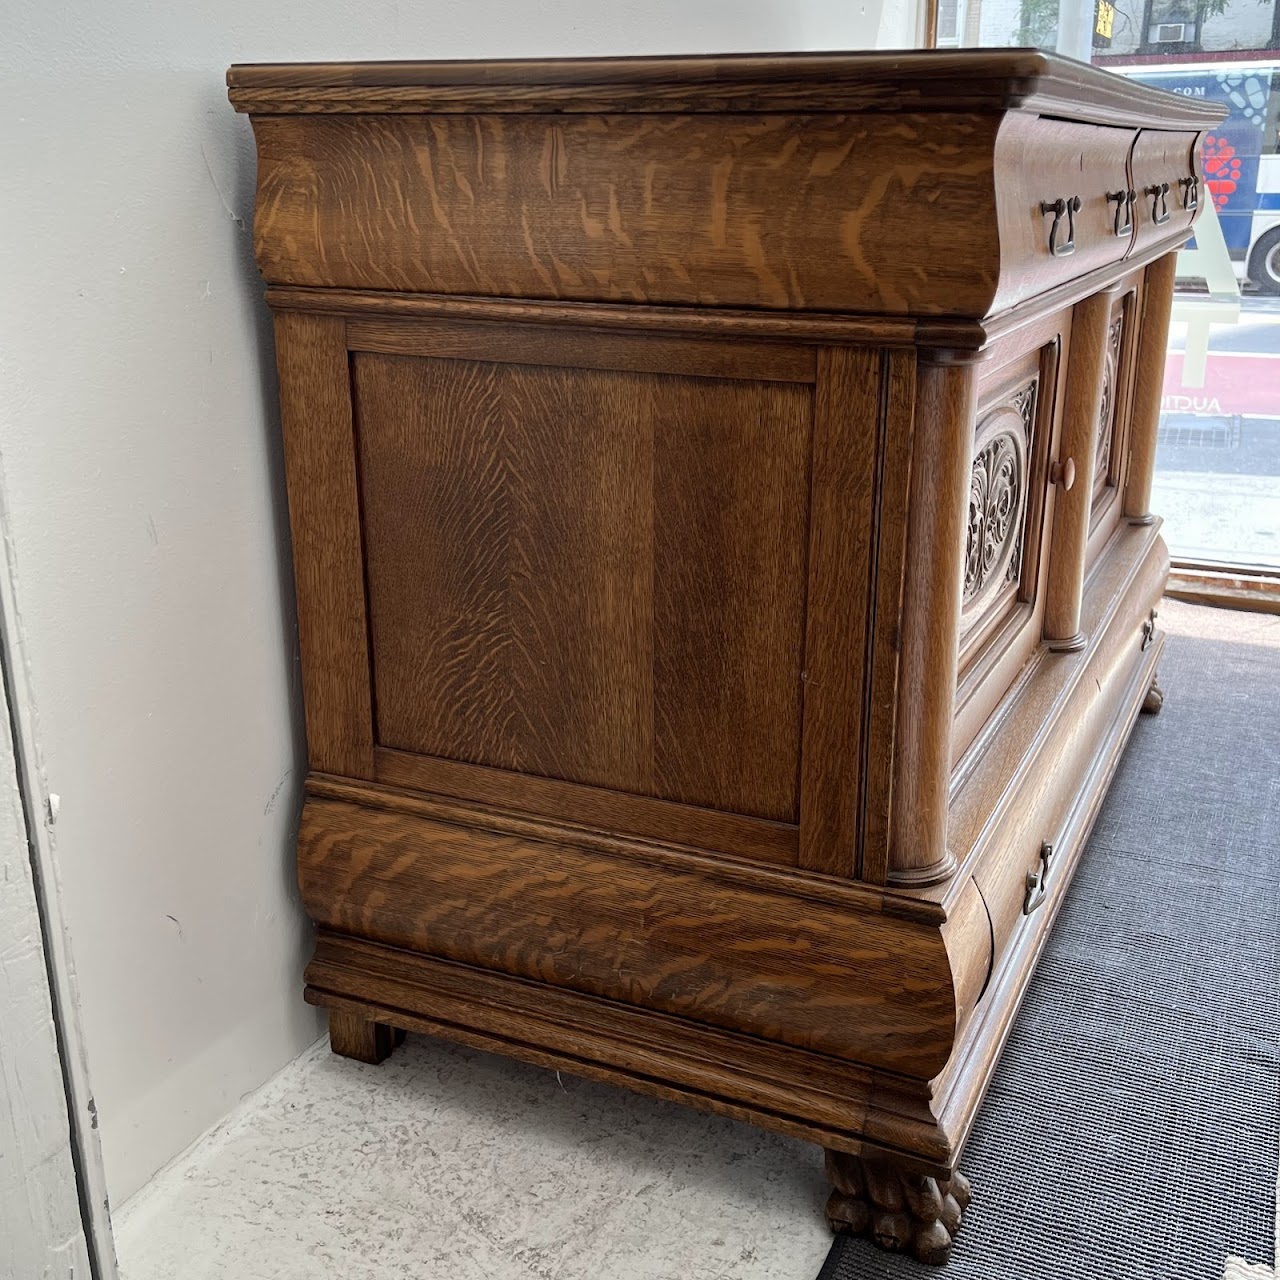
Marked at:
<point>589,575</point>
<point>1010,513</point>
<point>1111,441</point>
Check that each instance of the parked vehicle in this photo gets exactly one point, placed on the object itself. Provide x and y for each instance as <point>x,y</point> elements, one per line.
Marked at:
<point>1242,167</point>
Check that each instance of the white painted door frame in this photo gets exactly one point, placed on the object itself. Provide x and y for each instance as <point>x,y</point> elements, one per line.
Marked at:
<point>55,1221</point>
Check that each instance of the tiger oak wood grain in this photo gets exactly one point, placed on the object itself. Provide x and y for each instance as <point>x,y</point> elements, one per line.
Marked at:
<point>679,941</point>
<point>841,519</point>
<point>854,896</point>
<point>591,806</point>
<point>675,461</point>
<point>603,571</point>
<point>315,415</point>
<point>755,211</point>
<point>887,579</point>
<point>589,349</point>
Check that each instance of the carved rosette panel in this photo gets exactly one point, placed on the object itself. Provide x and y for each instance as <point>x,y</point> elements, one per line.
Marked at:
<point>1107,414</point>
<point>998,498</point>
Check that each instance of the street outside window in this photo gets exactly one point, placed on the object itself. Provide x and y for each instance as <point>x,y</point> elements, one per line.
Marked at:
<point>1218,460</point>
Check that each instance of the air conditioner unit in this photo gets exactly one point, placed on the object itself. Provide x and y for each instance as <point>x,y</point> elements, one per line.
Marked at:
<point>1173,33</point>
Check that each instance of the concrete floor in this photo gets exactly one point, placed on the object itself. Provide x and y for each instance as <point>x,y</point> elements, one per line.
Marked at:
<point>444,1162</point>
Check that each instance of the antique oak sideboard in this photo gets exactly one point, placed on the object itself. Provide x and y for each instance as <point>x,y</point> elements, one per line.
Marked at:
<point>720,504</point>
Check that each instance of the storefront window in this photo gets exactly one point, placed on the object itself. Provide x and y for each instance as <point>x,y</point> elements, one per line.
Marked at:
<point>1218,461</point>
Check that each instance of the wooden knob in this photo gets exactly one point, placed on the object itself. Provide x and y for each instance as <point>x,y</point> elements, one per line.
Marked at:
<point>1063,473</point>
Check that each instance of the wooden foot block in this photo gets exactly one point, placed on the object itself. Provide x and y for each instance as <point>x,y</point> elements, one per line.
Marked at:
<point>351,1036</point>
<point>897,1209</point>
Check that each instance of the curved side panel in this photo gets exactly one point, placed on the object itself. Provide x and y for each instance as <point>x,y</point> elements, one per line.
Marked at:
<point>658,934</point>
<point>970,948</point>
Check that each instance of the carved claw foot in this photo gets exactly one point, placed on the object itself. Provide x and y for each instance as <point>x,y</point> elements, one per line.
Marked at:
<point>901,1211</point>
<point>1154,700</point>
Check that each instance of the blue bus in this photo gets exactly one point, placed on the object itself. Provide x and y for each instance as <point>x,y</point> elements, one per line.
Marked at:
<point>1242,168</point>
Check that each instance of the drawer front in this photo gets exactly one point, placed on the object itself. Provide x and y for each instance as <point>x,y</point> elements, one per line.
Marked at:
<point>1030,853</point>
<point>1165,185</point>
<point>1064,209</point>
<point>863,213</point>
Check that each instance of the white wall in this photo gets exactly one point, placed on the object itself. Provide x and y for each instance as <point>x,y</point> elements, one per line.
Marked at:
<point>142,470</point>
<point>40,1230</point>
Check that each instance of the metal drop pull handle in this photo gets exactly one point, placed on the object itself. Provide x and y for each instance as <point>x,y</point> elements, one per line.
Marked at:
<point>1038,880</point>
<point>1124,210</point>
<point>1063,207</point>
<point>1159,193</point>
<point>1149,631</point>
<point>1190,192</point>
<point>1063,474</point>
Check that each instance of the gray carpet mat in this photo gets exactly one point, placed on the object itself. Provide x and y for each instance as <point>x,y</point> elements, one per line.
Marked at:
<point>1133,1125</point>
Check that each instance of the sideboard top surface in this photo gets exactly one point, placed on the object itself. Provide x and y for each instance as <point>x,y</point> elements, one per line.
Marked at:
<point>924,80</point>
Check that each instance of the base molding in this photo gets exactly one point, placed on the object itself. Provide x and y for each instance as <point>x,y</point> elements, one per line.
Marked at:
<point>804,1095</point>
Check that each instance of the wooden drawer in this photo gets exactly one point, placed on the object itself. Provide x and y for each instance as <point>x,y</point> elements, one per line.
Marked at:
<point>1063,205</point>
<point>1023,871</point>
<point>753,210</point>
<point>1164,183</point>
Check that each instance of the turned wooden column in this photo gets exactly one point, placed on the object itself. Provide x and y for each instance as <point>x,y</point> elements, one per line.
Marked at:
<point>941,466</point>
<point>1072,472</point>
<point>1153,342</point>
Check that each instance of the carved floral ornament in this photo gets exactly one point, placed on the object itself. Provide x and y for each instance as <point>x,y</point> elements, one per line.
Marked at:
<point>1102,452</point>
<point>998,494</point>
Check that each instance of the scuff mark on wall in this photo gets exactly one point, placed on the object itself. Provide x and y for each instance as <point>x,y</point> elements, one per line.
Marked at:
<point>235,217</point>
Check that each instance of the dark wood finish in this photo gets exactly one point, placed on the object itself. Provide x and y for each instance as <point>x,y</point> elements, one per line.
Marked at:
<point>696,945</point>
<point>737,211</point>
<point>719,628</point>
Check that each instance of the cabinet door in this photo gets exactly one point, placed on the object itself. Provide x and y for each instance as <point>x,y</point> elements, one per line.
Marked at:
<point>1019,404</point>
<point>1111,441</point>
